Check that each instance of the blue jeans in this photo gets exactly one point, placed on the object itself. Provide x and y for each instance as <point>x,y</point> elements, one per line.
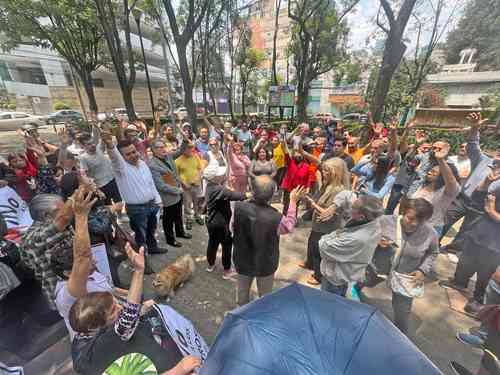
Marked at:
<point>327,286</point>
<point>143,221</point>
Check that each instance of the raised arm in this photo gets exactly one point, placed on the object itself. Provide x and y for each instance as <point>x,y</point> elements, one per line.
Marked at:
<point>403,142</point>
<point>308,156</point>
<point>128,320</point>
<point>288,222</point>
<point>117,161</point>
<point>82,255</point>
<point>441,150</point>
<point>473,148</point>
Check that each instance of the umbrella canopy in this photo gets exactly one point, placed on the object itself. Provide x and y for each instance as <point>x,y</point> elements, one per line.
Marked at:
<point>300,330</point>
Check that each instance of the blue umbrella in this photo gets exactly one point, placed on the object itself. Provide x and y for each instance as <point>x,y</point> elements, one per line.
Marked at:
<point>300,330</point>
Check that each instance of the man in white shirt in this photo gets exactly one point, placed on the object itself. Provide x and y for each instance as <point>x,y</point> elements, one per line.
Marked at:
<point>138,191</point>
<point>95,164</point>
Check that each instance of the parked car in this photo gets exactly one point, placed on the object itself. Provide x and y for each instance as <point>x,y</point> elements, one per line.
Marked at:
<point>122,113</point>
<point>16,120</point>
<point>356,117</point>
<point>181,112</point>
<point>64,115</point>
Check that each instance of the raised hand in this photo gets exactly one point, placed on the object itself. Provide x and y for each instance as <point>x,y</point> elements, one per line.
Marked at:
<point>441,150</point>
<point>136,259</point>
<point>83,200</point>
<point>476,119</point>
<point>297,194</point>
<point>107,138</point>
<point>64,137</point>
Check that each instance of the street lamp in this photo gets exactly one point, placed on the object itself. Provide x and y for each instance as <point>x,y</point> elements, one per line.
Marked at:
<point>137,16</point>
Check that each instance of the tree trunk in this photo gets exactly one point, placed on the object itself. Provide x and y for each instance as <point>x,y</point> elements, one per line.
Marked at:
<point>230,102</point>
<point>390,63</point>
<point>302,99</point>
<point>212,97</point>
<point>243,94</point>
<point>275,37</point>
<point>188,85</point>
<point>88,86</point>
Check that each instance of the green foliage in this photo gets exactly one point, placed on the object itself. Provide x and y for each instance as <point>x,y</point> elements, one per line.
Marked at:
<point>491,103</point>
<point>60,104</point>
<point>132,364</point>
<point>348,72</point>
<point>478,28</point>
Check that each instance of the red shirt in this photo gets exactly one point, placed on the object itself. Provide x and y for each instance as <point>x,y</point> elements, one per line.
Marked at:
<point>296,175</point>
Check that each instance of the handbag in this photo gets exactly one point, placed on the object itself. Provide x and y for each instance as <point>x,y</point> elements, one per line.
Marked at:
<point>402,283</point>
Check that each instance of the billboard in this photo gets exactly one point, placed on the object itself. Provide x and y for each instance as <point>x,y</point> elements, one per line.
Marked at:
<point>282,96</point>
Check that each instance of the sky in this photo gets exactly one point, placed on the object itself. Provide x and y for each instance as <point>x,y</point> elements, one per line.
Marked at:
<point>363,27</point>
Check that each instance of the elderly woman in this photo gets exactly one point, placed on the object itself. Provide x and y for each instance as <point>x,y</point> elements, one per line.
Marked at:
<point>218,200</point>
<point>335,178</point>
<point>238,166</point>
<point>346,253</point>
<point>414,244</point>
<point>106,331</point>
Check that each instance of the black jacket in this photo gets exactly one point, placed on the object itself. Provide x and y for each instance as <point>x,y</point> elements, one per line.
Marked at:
<point>218,207</point>
<point>256,240</point>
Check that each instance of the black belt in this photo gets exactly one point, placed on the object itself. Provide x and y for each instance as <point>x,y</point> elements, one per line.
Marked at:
<point>149,203</point>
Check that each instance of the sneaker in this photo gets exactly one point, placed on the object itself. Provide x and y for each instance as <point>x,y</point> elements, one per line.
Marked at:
<point>210,268</point>
<point>472,340</point>
<point>450,284</point>
<point>472,307</point>
<point>228,274</point>
<point>458,369</point>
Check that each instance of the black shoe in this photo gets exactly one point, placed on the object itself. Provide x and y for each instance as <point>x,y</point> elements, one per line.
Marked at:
<point>147,267</point>
<point>175,244</point>
<point>459,369</point>
<point>158,250</point>
<point>187,236</point>
<point>199,220</point>
<point>450,284</point>
<point>189,225</point>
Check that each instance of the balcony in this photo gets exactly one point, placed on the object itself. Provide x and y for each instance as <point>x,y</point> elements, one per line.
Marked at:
<point>27,89</point>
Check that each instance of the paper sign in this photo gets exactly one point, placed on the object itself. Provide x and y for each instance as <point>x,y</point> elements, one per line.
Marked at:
<point>102,263</point>
<point>182,331</point>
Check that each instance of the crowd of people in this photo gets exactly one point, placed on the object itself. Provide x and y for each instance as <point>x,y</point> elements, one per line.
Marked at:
<point>379,204</point>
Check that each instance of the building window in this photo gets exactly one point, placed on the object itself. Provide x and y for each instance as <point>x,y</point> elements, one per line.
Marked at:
<point>98,82</point>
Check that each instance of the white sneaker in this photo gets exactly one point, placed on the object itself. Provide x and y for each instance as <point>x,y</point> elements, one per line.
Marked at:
<point>211,269</point>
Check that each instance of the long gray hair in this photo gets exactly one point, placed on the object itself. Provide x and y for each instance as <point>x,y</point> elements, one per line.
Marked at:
<point>43,206</point>
<point>370,207</point>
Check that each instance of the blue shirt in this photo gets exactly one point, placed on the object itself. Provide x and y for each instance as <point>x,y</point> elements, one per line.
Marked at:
<point>202,147</point>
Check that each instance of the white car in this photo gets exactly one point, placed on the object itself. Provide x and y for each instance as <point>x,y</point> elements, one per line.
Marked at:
<point>181,112</point>
<point>16,120</point>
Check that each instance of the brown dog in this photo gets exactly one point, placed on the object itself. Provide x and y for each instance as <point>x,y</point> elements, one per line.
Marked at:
<point>174,275</point>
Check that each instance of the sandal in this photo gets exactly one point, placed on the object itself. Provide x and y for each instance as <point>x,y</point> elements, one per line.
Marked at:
<point>311,280</point>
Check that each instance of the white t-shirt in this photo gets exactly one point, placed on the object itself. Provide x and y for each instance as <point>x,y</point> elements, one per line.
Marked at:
<point>97,166</point>
<point>14,210</point>
<point>97,282</point>
<point>439,200</point>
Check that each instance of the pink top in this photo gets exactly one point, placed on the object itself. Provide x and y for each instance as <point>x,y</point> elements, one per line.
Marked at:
<point>288,222</point>
<point>238,164</point>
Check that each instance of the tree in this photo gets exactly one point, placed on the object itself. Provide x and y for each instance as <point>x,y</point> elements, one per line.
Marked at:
<point>275,38</point>
<point>183,26</point>
<point>68,26</point>
<point>317,44</point>
<point>420,64</point>
<point>478,28</point>
<point>348,72</point>
<point>249,62</point>
<point>394,51</point>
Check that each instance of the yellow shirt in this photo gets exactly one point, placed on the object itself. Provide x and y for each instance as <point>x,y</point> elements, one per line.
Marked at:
<point>279,156</point>
<point>189,169</point>
<point>356,155</point>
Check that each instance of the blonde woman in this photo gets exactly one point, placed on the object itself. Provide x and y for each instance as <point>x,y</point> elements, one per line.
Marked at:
<point>335,178</point>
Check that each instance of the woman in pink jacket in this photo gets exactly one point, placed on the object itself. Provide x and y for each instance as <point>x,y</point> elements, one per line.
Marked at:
<point>238,167</point>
